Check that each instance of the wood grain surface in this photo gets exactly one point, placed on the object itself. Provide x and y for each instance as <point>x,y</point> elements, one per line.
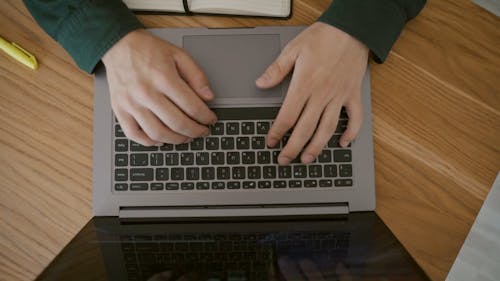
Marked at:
<point>436,114</point>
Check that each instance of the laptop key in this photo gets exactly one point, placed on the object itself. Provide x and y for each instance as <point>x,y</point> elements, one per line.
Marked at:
<point>227,143</point>
<point>294,183</point>
<point>182,146</point>
<point>203,185</point>
<point>242,143</point>
<point>233,185</point>
<point>330,171</point>
<point>223,173</point>
<point>202,158</point>
<point>285,172</point>
<point>121,160</point>
<point>269,172</point>
<point>276,153</point>
<point>232,128</point>
<point>248,128</point>
<point>121,174</point>
<point>217,158</point>
<point>279,184</point>
<point>177,174</point>
<point>249,185</point>
<point>345,170</point>
<point>139,147</point>
<point>171,159</point>
<point>121,145</point>
<point>218,185</point>
<point>238,173</point>
<point>187,158</point>
<point>217,129</point>
<point>248,157</point>
<point>156,159</point>
<point>156,186</point>
<point>315,171</point>
<point>197,144</point>
<point>334,141</point>
<point>139,159</point>
<point>233,158</point>
<point>342,155</point>
<point>253,172</point>
<point>172,186</point>
<point>121,186</point>
<point>299,171</point>
<point>263,157</point>
<point>193,173</point>
<point>167,147</point>
<point>208,173</point>
<point>310,183</point>
<point>325,183</point>
<point>138,186</point>
<point>341,126</point>
<point>119,132</point>
<point>141,174</point>
<point>264,184</point>
<point>325,156</point>
<point>161,174</point>
<point>263,127</point>
<point>343,182</point>
<point>187,185</point>
<point>212,143</point>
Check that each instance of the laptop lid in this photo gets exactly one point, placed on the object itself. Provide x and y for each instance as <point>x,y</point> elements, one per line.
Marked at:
<point>357,246</point>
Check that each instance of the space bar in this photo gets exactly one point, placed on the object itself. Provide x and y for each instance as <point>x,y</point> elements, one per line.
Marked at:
<point>246,113</point>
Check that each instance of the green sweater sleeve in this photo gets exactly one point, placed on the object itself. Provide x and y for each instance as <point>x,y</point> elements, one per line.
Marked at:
<point>85,28</point>
<point>376,23</point>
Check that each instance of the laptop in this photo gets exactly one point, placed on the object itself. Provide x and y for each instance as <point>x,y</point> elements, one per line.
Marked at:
<point>220,208</point>
<point>231,172</point>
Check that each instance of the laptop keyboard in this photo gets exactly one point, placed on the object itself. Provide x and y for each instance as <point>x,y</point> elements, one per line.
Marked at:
<point>225,256</point>
<point>233,157</point>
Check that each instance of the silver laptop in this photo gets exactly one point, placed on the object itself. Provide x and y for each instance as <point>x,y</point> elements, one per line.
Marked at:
<point>230,173</point>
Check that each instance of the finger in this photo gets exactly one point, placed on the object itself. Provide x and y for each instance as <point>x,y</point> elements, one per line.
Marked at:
<point>354,110</point>
<point>132,130</point>
<point>275,73</point>
<point>175,119</point>
<point>155,129</point>
<point>324,132</point>
<point>193,75</point>
<point>301,133</point>
<point>183,96</point>
<point>290,109</point>
<point>310,270</point>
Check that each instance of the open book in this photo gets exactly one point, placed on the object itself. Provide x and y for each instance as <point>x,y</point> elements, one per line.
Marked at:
<point>264,8</point>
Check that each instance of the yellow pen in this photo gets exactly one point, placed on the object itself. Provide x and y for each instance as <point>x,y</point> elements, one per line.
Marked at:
<point>18,53</point>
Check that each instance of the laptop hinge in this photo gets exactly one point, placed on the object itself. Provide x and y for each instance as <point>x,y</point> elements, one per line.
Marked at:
<point>234,211</point>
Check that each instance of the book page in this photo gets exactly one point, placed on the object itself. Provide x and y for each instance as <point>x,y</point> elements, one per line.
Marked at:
<point>155,5</point>
<point>277,8</point>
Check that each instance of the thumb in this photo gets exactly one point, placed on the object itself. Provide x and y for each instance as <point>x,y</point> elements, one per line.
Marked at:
<point>275,73</point>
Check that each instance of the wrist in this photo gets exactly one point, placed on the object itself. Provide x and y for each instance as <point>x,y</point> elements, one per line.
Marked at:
<point>121,45</point>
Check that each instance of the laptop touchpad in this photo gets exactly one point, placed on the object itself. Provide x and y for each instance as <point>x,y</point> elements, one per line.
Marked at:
<point>232,63</point>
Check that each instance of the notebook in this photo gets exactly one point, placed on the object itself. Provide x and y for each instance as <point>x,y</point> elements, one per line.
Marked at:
<point>263,8</point>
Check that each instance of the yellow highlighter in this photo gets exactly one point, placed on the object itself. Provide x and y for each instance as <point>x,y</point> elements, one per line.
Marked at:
<point>18,53</point>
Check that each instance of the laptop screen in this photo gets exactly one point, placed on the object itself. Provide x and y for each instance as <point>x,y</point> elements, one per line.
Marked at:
<point>356,247</point>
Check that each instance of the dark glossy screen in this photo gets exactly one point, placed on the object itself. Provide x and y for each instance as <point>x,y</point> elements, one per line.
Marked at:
<point>356,247</point>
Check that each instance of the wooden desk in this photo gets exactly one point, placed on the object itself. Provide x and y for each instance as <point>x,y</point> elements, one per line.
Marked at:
<point>436,113</point>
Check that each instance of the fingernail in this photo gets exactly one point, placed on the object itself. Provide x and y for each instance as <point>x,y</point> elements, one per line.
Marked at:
<point>262,79</point>
<point>308,158</point>
<point>206,92</point>
<point>344,143</point>
<point>188,140</point>
<point>283,160</point>
<point>159,144</point>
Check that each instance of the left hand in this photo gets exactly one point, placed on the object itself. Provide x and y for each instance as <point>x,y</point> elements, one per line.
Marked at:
<point>329,66</point>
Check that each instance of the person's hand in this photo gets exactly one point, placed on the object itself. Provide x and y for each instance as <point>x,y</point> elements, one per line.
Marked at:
<point>158,92</point>
<point>329,66</point>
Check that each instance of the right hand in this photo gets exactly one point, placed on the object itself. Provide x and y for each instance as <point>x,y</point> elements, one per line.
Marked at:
<point>158,93</point>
